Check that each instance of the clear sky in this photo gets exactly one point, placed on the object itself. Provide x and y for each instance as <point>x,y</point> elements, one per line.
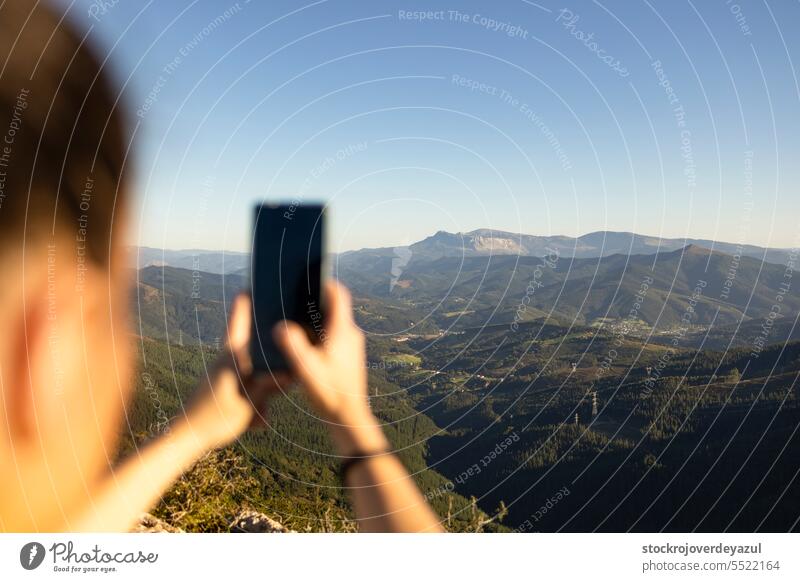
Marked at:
<point>668,118</point>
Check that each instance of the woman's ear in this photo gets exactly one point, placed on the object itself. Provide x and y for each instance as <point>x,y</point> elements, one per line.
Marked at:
<point>34,374</point>
<point>44,374</point>
<point>18,398</point>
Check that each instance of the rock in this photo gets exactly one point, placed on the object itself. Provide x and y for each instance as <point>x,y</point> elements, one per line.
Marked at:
<point>151,524</point>
<point>249,521</point>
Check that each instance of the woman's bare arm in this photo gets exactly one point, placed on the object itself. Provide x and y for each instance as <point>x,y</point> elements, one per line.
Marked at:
<point>220,411</point>
<point>385,497</point>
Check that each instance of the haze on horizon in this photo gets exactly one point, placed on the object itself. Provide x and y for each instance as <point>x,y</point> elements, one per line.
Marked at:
<point>688,242</point>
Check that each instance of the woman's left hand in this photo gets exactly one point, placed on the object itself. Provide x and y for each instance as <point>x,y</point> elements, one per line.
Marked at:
<point>231,398</point>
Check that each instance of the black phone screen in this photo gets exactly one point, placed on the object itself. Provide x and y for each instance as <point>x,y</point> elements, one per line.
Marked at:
<point>285,276</point>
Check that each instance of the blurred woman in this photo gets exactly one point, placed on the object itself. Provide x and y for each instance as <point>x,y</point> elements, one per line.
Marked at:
<point>65,355</point>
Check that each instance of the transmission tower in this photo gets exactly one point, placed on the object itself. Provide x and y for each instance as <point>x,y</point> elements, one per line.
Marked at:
<point>594,403</point>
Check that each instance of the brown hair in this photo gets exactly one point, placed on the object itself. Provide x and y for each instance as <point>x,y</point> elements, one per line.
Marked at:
<point>62,140</point>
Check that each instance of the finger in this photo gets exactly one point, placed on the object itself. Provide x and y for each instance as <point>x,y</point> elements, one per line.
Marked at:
<point>262,389</point>
<point>239,333</point>
<point>239,322</point>
<point>303,357</point>
<point>258,389</point>
<point>258,394</point>
<point>340,305</point>
<point>259,420</point>
<point>271,384</point>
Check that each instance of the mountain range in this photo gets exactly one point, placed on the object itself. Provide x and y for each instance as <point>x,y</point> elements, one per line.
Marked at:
<point>488,242</point>
<point>477,243</point>
<point>453,294</point>
<point>192,259</point>
<point>472,341</point>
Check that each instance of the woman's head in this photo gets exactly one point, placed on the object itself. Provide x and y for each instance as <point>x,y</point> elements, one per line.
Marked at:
<point>64,353</point>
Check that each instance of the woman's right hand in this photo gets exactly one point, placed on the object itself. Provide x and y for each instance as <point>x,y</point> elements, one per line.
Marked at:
<point>334,374</point>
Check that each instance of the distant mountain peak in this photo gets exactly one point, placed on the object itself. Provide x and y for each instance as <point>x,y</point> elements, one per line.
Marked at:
<point>694,249</point>
<point>478,242</point>
<point>488,242</point>
<point>491,242</point>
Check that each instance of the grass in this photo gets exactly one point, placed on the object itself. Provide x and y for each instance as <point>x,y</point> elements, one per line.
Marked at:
<point>402,360</point>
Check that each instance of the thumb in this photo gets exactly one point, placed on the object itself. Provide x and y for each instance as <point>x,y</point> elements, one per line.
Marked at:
<point>239,332</point>
<point>303,356</point>
<point>239,323</point>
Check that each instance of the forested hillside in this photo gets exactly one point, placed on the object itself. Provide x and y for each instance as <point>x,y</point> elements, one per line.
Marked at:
<point>287,470</point>
<point>630,393</point>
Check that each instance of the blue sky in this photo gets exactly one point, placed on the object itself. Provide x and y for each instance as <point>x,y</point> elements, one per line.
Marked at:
<point>664,118</point>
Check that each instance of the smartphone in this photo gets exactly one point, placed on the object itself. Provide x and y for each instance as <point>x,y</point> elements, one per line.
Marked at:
<point>286,272</point>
